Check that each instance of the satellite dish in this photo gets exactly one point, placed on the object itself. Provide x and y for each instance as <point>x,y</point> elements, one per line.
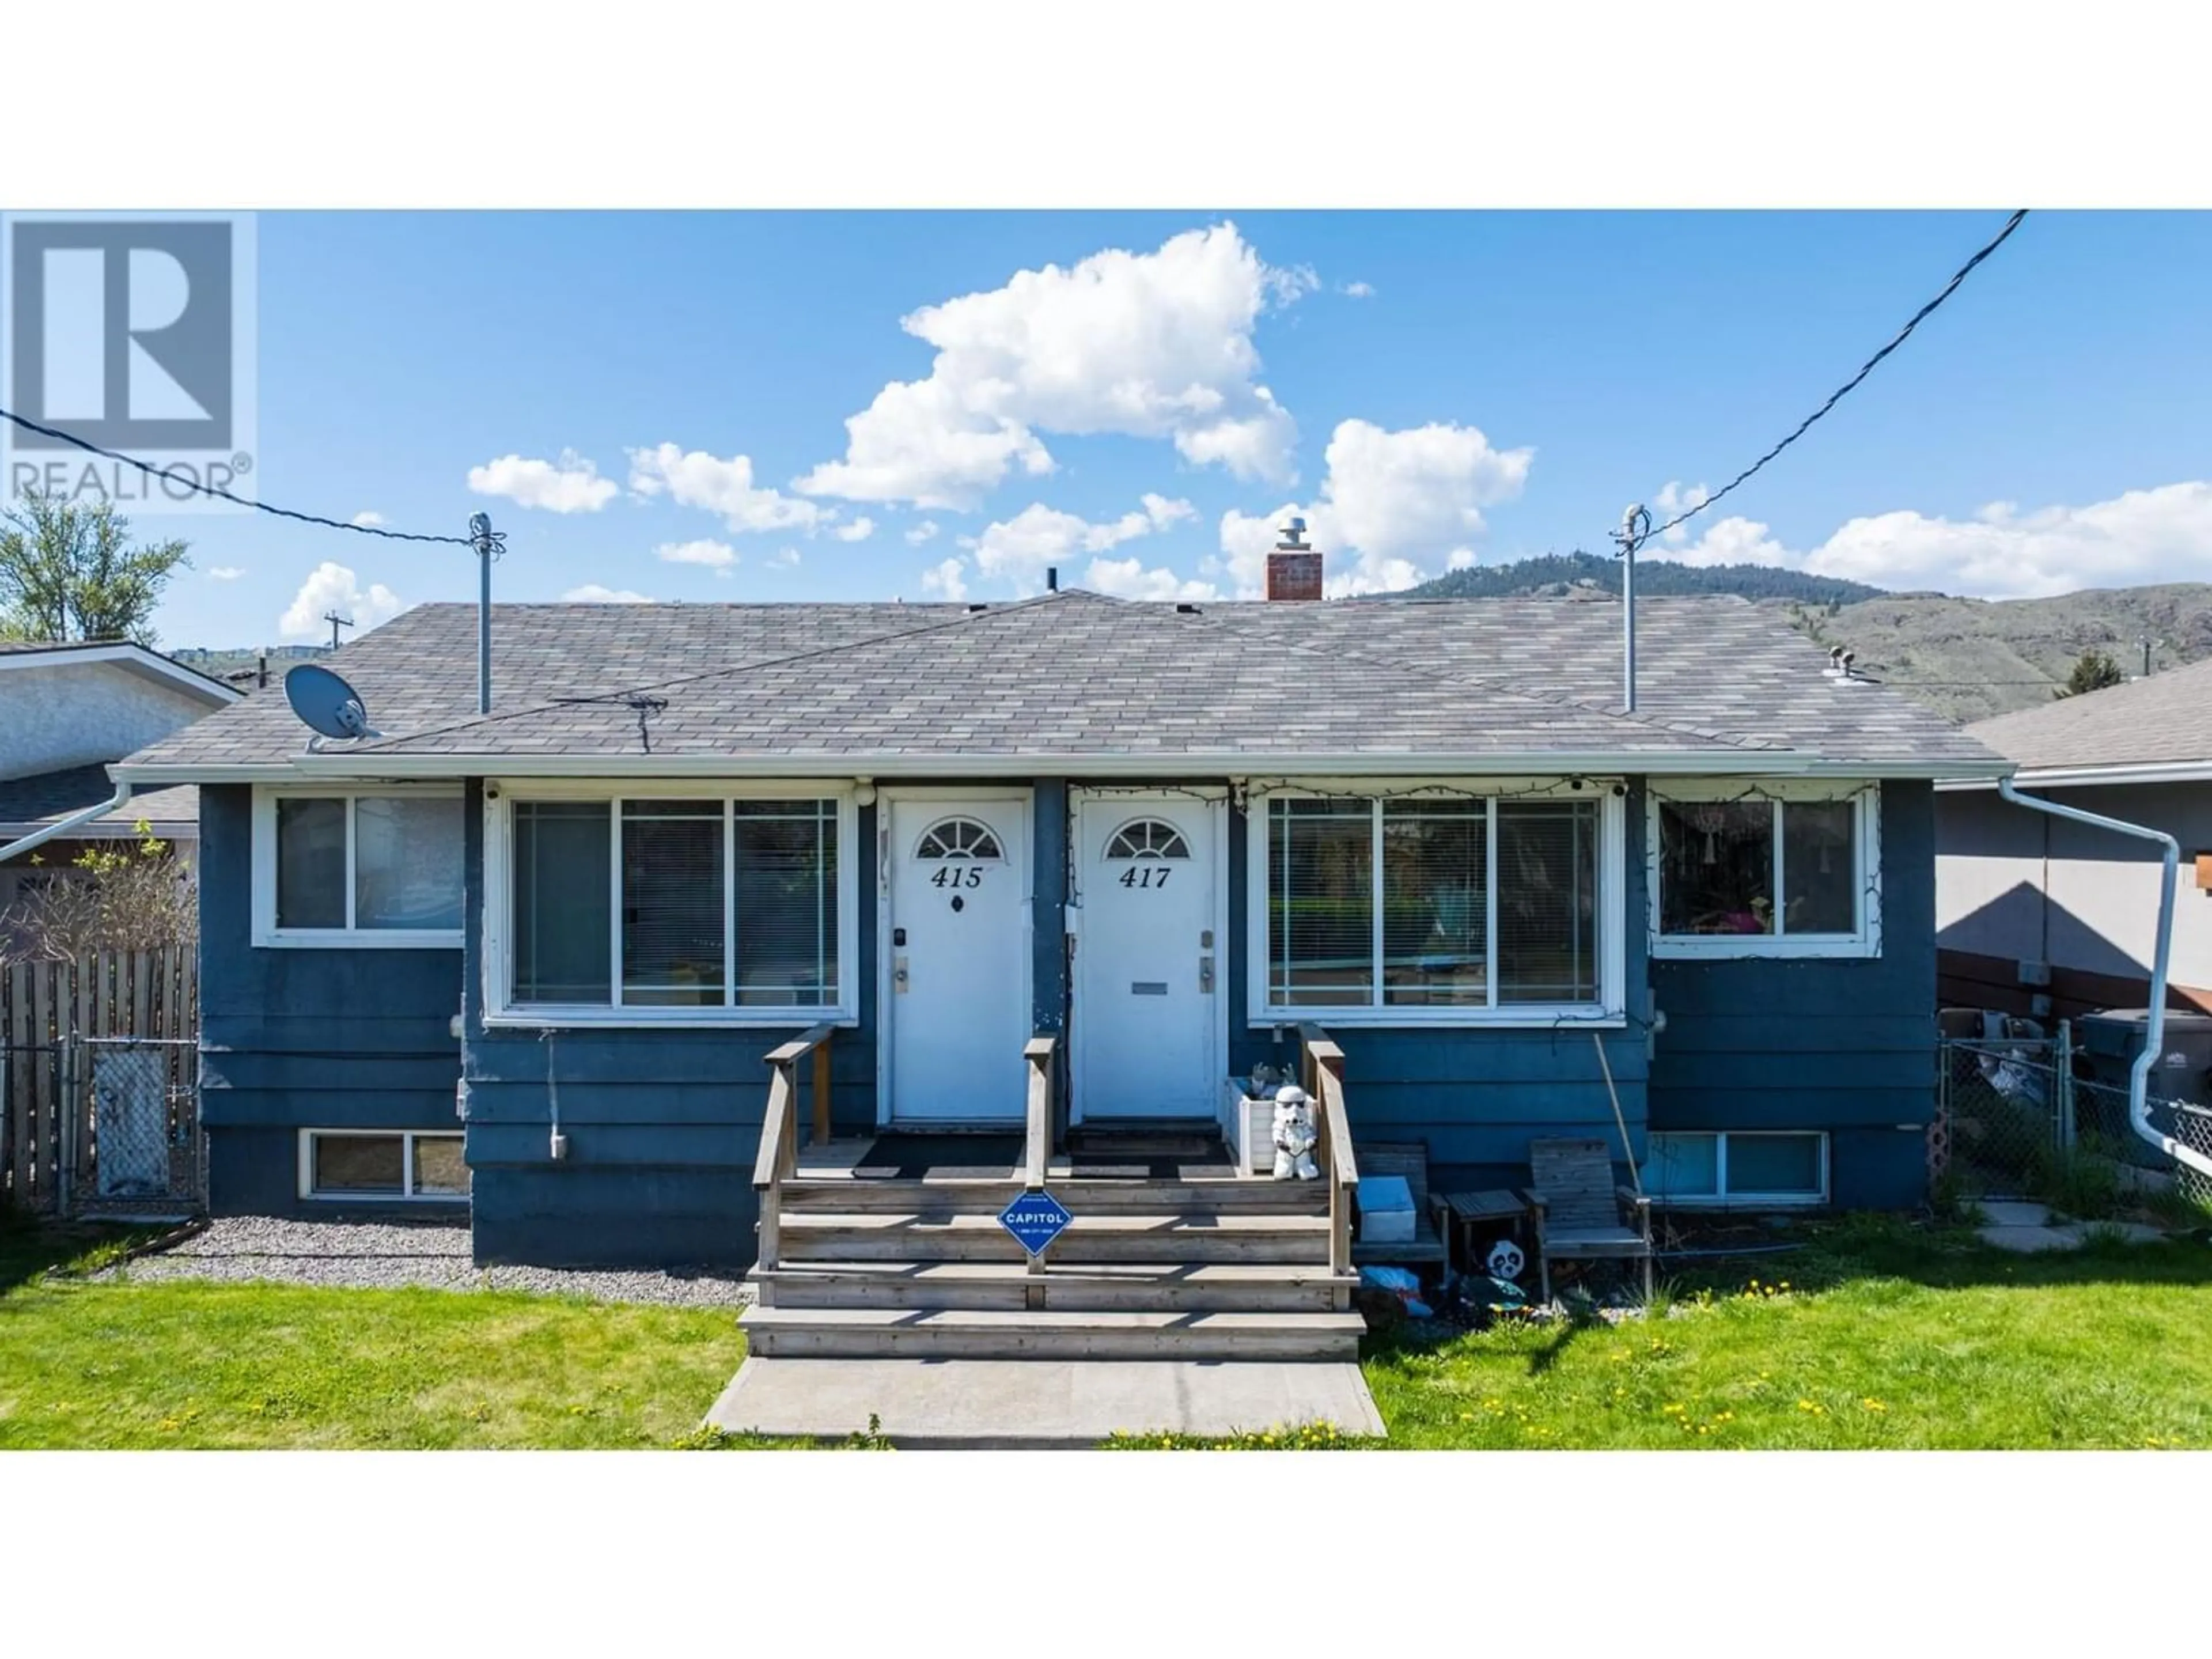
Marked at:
<point>326,704</point>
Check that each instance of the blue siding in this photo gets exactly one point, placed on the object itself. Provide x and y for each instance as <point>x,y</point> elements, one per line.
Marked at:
<point>1474,1097</point>
<point>1844,1046</point>
<point>293,1039</point>
<point>662,1125</point>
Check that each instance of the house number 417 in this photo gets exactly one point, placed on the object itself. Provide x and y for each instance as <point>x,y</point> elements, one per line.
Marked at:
<point>1150,875</point>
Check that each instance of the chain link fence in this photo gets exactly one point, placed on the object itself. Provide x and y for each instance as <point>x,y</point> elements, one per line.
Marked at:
<point>2014,1119</point>
<point>136,1150</point>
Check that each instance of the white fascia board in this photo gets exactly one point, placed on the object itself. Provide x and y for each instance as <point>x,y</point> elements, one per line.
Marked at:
<point>2061,777</point>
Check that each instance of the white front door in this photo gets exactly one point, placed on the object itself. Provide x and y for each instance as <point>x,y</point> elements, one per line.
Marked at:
<point>1149,958</point>
<point>957,944</point>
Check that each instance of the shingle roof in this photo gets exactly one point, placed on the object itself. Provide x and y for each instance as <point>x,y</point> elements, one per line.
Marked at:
<point>46,796</point>
<point>2166,718</point>
<point>1076,675</point>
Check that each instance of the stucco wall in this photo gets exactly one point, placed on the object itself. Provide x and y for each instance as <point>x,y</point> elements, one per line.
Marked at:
<point>79,714</point>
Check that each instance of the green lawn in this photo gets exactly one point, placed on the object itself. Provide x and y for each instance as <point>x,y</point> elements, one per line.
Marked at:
<point>1876,1334</point>
<point>174,1364</point>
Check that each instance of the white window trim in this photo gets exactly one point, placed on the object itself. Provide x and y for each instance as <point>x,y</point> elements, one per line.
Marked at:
<point>1725,1199</point>
<point>266,933</point>
<point>407,1139</point>
<point>500,1007</point>
<point>1865,941</point>
<point>1608,1011</point>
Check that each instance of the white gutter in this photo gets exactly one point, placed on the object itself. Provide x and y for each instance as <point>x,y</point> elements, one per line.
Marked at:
<point>62,826</point>
<point>2061,777</point>
<point>2154,1027</point>
<point>905,764</point>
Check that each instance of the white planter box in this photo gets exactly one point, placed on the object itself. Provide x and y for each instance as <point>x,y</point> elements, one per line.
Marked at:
<point>1248,1125</point>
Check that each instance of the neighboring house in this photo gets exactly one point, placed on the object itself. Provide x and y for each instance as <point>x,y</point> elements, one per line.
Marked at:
<point>1168,833</point>
<point>67,710</point>
<point>2031,906</point>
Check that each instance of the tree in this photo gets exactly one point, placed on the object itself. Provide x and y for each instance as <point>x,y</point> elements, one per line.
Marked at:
<point>68,571</point>
<point>136,897</point>
<point>2093,671</point>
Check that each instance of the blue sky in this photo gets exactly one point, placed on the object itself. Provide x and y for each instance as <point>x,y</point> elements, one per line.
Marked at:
<point>1135,397</point>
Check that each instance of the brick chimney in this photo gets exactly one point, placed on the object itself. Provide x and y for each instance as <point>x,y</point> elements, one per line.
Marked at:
<point>1294,567</point>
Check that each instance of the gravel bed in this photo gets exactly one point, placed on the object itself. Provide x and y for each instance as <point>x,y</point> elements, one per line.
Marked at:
<point>381,1256</point>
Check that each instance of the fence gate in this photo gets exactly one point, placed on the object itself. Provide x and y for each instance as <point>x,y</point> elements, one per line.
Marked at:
<point>135,1149</point>
<point>2004,1114</point>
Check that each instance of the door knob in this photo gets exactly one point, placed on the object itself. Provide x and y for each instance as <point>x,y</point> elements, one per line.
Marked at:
<point>898,973</point>
<point>1206,975</point>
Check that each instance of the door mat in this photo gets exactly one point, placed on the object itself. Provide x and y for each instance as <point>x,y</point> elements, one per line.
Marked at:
<point>959,1157</point>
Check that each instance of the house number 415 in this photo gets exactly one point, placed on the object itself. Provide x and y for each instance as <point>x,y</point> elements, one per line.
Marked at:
<point>958,875</point>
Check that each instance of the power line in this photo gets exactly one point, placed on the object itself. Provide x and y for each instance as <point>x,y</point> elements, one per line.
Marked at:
<point>204,489</point>
<point>1865,369</point>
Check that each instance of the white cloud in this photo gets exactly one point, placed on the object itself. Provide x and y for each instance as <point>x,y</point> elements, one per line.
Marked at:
<point>1017,550</point>
<point>859,530</point>
<point>716,556</point>
<point>1357,290</point>
<point>1393,506</point>
<point>225,573</point>
<point>572,485</point>
<point>592,594</point>
<point>947,579</point>
<point>1128,578</point>
<point>2157,535</point>
<point>1673,500</point>
<point>1462,558</point>
<point>785,558</point>
<point>694,478</point>
<point>331,587</point>
<point>368,521</point>
<point>1148,345</point>
<point>926,531</point>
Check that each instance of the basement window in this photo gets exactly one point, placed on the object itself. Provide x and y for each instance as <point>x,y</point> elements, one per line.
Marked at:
<point>382,1165</point>
<point>1737,1167</point>
<point>353,868</point>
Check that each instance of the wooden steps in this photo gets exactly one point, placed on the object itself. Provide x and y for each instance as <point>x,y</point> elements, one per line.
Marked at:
<point>1164,1236</point>
<point>1171,1287</point>
<point>1043,1333</point>
<point>1083,1195</point>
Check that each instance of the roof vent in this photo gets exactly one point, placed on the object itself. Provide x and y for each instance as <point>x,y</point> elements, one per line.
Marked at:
<point>979,605</point>
<point>1839,668</point>
<point>1186,609</point>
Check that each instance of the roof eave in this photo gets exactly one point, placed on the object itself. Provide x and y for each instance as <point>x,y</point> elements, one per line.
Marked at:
<point>332,766</point>
<point>2122,772</point>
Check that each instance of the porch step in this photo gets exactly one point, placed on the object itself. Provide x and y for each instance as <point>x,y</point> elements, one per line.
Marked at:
<point>1139,1138</point>
<point>1083,1195</point>
<point>907,1334</point>
<point>1159,1287</point>
<point>1189,1238</point>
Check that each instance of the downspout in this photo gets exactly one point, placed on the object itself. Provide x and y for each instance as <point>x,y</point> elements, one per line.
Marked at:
<point>62,826</point>
<point>2162,955</point>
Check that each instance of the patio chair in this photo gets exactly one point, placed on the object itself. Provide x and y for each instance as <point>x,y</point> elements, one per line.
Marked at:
<point>1410,1159</point>
<point>1581,1215</point>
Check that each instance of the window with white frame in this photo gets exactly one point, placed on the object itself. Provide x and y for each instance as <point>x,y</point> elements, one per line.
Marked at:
<point>1431,906</point>
<point>1787,870</point>
<point>382,1165</point>
<point>695,907</point>
<point>1737,1166</point>
<point>367,866</point>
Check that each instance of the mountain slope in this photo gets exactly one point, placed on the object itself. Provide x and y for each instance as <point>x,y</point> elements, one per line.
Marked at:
<point>1654,576</point>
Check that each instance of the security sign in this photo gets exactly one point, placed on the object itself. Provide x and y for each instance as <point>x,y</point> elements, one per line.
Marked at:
<point>1035,1219</point>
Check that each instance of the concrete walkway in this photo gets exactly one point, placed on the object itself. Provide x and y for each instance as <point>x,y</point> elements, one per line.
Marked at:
<point>2029,1228</point>
<point>1039,1404</point>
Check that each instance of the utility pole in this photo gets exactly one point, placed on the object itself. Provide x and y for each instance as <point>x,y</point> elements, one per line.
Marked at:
<point>1635,530</point>
<point>2147,642</point>
<point>336,621</point>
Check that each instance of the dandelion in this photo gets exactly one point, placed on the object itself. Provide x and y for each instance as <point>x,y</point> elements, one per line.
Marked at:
<point>1872,1405</point>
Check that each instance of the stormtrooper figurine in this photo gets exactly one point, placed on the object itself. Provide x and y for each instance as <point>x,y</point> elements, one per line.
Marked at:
<point>1295,1135</point>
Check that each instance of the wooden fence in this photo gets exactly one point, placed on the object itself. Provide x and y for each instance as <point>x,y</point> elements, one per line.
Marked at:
<point>48,1010</point>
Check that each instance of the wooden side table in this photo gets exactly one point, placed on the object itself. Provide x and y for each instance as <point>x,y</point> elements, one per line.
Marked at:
<point>1493,1209</point>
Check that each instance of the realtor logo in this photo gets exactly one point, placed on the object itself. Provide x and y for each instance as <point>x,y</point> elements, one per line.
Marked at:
<point>134,333</point>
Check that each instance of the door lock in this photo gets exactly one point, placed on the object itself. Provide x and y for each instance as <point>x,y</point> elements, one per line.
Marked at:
<point>898,973</point>
<point>1206,976</point>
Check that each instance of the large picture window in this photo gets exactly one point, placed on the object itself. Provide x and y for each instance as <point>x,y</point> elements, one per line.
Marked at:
<point>358,867</point>
<point>679,907</point>
<point>1787,873</point>
<point>1433,906</point>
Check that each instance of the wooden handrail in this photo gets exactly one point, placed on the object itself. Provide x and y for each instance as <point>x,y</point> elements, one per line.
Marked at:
<point>778,1158</point>
<point>1037,1152</point>
<point>1323,1065</point>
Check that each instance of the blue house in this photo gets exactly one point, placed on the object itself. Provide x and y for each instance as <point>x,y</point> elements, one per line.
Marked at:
<point>533,963</point>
